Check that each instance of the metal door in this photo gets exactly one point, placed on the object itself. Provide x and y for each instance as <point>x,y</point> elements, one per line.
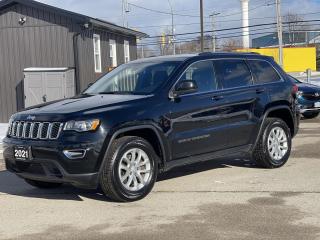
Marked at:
<point>34,88</point>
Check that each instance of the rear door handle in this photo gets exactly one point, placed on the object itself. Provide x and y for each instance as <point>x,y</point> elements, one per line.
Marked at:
<point>217,98</point>
<point>260,90</point>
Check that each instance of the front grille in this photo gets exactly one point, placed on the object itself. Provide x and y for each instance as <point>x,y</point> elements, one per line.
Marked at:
<point>35,130</point>
<point>311,96</point>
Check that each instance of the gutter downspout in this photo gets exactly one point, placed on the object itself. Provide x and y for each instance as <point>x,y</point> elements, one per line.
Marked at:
<point>76,61</point>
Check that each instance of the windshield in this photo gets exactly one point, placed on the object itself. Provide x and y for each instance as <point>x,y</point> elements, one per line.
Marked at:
<point>134,78</point>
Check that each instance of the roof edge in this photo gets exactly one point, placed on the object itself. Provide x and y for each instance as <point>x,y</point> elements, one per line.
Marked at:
<point>92,20</point>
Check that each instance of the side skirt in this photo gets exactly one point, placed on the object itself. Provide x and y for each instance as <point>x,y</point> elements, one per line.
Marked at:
<point>237,151</point>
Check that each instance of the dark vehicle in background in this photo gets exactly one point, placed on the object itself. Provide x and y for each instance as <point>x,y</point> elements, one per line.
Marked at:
<point>308,98</point>
<point>152,115</point>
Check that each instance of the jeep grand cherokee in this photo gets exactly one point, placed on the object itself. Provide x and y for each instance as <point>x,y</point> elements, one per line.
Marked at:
<point>154,114</point>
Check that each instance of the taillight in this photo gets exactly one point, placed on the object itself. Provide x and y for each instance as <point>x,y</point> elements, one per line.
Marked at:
<point>295,89</point>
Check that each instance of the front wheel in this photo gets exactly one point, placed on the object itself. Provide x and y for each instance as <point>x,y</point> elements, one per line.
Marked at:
<point>274,145</point>
<point>130,169</point>
<point>310,115</point>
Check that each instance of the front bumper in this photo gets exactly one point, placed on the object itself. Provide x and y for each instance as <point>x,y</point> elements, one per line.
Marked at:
<point>309,110</point>
<point>48,162</point>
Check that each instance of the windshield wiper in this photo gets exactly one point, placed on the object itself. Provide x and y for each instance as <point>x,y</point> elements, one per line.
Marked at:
<point>121,93</point>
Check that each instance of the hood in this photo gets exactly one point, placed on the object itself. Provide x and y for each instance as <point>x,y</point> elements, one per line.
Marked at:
<point>308,88</point>
<point>82,103</point>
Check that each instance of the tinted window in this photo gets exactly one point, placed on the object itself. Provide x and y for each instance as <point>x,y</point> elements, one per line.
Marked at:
<point>203,74</point>
<point>234,73</point>
<point>134,78</point>
<point>263,72</point>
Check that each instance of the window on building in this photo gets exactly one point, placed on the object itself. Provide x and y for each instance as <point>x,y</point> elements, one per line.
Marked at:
<point>113,53</point>
<point>97,53</point>
<point>234,73</point>
<point>126,51</point>
<point>263,72</point>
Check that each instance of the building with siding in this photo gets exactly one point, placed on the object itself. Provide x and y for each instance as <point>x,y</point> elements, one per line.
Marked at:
<point>35,35</point>
<point>289,39</point>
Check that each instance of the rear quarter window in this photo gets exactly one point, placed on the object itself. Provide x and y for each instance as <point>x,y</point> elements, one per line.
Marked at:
<point>263,72</point>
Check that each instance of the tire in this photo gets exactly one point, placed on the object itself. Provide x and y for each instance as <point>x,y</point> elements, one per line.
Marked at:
<point>43,185</point>
<point>310,115</point>
<point>261,153</point>
<point>119,159</point>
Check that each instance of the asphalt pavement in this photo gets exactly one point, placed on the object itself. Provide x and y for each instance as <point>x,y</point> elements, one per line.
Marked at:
<point>221,199</point>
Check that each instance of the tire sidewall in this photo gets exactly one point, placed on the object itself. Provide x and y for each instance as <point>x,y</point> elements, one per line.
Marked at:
<point>272,125</point>
<point>118,187</point>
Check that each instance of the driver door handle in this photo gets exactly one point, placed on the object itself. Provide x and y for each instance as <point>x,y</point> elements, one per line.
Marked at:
<point>217,98</point>
<point>260,90</point>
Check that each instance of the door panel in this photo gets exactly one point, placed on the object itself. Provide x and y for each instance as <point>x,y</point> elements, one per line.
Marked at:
<point>54,82</point>
<point>238,116</point>
<point>196,125</point>
<point>33,89</point>
<point>242,98</point>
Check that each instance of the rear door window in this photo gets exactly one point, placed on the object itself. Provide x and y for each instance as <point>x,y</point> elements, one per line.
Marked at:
<point>234,73</point>
<point>263,72</point>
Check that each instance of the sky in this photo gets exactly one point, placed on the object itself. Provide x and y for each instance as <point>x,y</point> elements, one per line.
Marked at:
<point>152,23</point>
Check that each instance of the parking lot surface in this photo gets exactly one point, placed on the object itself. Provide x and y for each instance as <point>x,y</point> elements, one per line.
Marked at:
<point>222,199</point>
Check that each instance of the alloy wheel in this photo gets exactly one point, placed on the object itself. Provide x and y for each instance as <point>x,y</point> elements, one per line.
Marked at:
<point>134,169</point>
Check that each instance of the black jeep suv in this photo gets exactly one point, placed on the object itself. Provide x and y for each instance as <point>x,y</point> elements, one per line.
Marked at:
<point>154,114</point>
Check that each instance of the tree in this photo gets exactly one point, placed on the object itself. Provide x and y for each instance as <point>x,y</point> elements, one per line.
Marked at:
<point>231,44</point>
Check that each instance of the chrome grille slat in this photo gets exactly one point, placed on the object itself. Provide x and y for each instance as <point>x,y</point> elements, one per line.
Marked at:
<point>35,130</point>
<point>14,129</point>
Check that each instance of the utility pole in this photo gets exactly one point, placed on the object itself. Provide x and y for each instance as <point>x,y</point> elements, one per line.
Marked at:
<point>279,27</point>
<point>125,11</point>
<point>201,25</point>
<point>213,15</point>
<point>172,29</point>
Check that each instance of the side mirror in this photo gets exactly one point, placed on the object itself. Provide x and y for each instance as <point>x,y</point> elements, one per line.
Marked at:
<point>185,87</point>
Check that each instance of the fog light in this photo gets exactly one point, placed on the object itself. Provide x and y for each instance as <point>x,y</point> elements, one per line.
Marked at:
<point>75,154</point>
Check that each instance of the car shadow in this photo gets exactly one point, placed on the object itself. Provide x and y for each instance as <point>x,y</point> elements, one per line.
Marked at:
<point>11,185</point>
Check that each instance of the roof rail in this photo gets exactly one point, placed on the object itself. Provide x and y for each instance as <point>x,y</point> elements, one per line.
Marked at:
<point>205,53</point>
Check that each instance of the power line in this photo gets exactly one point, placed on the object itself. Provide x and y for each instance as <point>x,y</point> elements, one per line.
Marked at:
<point>197,39</point>
<point>220,35</point>
<point>195,16</point>
<point>236,28</point>
<point>162,12</point>
<point>250,9</point>
<point>227,35</point>
<point>218,21</point>
<point>230,35</point>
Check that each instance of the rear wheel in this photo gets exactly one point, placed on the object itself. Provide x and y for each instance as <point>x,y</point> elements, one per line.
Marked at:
<point>274,145</point>
<point>45,185</point>
<point>310,115</point>
<point>130,169</point>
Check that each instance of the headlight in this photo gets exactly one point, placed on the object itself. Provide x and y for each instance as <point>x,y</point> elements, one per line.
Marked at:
<point>82,126</point>
<point>299,94</point>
